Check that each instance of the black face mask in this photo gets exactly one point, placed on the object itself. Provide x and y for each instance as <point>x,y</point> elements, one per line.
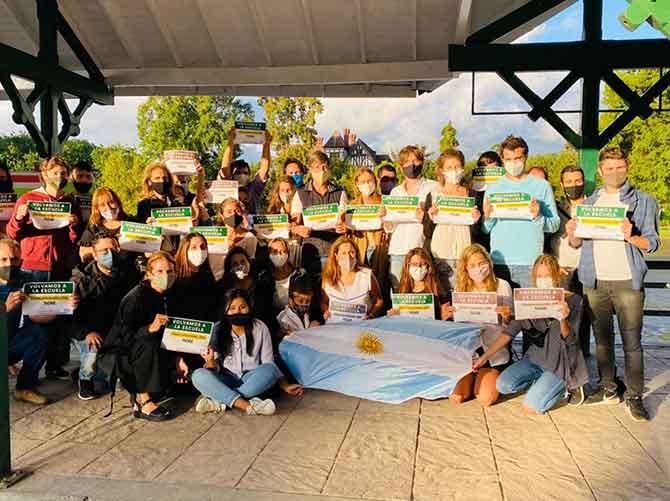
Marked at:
<point>300,309</point>
<point>412,171</point>
<point>5,186</point>
<point>387,184</point>
<point>9,273</point>
<point>233,221</point>
<point>574,192</point>
<point>160,187</point>
<point>239,319</point>
<point>82,187</point>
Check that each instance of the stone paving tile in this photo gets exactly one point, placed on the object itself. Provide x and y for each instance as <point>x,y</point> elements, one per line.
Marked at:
<point>610,489</point>
<point>432,484</point>
<point>225,470</point>
<point>44,425</point>
<point>60,458</point>
<point>102,431</point>
<point>21,445</point>
<point>374,477</point>
<point>327,400</point>
<point>19,409</point>
<point>319,421</point>
<point>276,473</point>
<point>520,484</point>
<point>409,407</point>
<point>469,410</point>
<point>292,443</point>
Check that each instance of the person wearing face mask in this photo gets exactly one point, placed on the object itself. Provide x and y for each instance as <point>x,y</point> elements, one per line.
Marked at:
<point>419,277</point>
<point>82,179</point>
<point>239,363</point>
<point>101,285</point>
<point>553,366</point>
<point>318,191</point>
<point>475,274</point>
<point>106,216</point>
<point>486,159</point>
<point>572,182</point>
<point>372,244</point>
<point>612,272</point>
<point>27,338</point>
<point>192,295</point>
<point>6,186</point>
<point>297,314</point>
<point>239,171</point>
<point>49,255</point>
<point>346,281</point>
<point>280,203</point>
<point>282,269</point>
<point>132,349</point>
<point>407,236</point>
<point>449,240</point>
<point>294,169</point>
<point>516,243</point>
<point>388,178</point>
<point>241,273</point>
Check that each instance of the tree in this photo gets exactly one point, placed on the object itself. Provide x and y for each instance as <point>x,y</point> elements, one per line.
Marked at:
<point>121,169</point>
<point>645,141</point>
<point>448,139</point>
<point>76,150</point>
<point>292,123</point>
<point>18,152</point>
<point>197,123</point>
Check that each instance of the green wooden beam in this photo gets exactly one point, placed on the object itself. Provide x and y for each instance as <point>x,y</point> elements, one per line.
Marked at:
<point>560,56</point>
<point>21,64</point>
<point>588,161</point>
<point>512,21</point>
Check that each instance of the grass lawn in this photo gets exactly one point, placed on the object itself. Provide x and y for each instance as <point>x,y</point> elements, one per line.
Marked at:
<point>664,251</point>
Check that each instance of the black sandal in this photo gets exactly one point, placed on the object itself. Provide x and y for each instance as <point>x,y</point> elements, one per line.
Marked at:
<point>158,414</point>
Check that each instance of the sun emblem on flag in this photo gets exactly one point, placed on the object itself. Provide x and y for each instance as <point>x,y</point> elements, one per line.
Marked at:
<point>369,344</point>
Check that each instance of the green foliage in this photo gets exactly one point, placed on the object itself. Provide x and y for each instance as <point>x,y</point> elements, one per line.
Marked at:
<point>197,123</point>
<point>645,141</point>
<point>76,150</point>
<point>18,152</point>
<point>292,123</point>
<point>121,169</point>
<point>448,139</point>
<point>554,163</point>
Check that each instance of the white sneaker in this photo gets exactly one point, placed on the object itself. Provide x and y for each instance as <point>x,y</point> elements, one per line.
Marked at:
<point>205,404</point>
<point>261,407</point>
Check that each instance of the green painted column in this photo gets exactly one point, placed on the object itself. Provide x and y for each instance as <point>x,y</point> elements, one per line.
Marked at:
<point>588,161</point>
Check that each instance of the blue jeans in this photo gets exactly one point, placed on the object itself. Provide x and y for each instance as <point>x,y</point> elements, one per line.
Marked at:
<point>518,275</point>
<point>227,387</point>
<point>29,344</point>
<point>87,363</point>
<point>395,270</point>
<point>544,387</point>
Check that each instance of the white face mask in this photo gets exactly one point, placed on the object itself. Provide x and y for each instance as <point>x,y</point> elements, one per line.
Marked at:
<point>453,176</point>
<point>278,260</point>
<point>346,263</point>
<point>197,256</point>
<point>242,179</point>
<point>515,167</point>
<point>544,283</point>
<point>418,273</point>
<point>241,272</point>
<point>109,215</point>
<point>284,197</point>
<point>366,189</point>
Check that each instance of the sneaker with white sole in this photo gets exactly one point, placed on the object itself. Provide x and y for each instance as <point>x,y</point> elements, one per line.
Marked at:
<point>603,397</point>
<point>205,404</point>
<point>636,409</point>
<point>577,396</point>
<point>261,407</point>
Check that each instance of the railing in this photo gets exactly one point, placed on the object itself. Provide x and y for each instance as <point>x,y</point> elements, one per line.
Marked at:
<point>658,264</point>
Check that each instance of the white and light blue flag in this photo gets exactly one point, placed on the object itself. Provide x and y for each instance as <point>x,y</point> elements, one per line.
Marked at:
<point>389,359</point>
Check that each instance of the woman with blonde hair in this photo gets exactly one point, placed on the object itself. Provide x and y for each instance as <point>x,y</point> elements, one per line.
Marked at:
<point>554,364</point>
<point>372,245</point>
<point>157,191</point>
<point>281,200</point>
<point>475,274</point>
<point>348,290</point>
<point>449,240</point>
<point>418,276</point>
<point>106,216</point>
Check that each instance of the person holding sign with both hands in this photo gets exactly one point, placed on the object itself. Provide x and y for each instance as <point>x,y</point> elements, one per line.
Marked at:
<point>553,362</point>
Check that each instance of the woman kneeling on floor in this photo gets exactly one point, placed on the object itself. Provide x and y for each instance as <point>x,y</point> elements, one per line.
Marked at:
<point>239,364</point>
<point>553,361</point>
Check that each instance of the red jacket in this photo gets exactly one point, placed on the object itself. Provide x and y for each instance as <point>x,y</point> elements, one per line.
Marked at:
<point>45,250</point>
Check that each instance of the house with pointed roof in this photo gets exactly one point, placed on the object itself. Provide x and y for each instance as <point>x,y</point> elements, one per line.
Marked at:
<point>348,147</point>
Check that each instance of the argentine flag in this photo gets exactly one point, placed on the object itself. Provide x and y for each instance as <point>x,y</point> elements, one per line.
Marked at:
<point>389,359</point>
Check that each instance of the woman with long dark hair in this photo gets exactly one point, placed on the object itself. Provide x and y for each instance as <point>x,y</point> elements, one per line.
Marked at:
<point>239,364</point>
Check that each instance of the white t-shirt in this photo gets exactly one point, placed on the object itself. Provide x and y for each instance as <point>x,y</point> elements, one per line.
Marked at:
<point>489,332</point>
<point>280,299</point>
<point>357,293</point>
<point>610,255</point>
<point>449,240</point>
<point>407,236</point>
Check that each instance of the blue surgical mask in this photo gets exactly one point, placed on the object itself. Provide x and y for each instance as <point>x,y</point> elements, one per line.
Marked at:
<point>106,260</point>
<point>299,180</point>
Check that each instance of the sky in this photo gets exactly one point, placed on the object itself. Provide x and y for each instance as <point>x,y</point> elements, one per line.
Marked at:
<point>387,124</point>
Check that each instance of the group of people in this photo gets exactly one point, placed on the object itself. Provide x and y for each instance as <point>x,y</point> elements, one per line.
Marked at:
<point>263,289</point>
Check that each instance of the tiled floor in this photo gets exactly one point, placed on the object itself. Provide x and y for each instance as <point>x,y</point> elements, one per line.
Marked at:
<point>331,445</point>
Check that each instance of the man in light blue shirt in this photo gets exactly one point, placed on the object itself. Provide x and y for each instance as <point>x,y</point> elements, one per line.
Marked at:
<point>516,243</point>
